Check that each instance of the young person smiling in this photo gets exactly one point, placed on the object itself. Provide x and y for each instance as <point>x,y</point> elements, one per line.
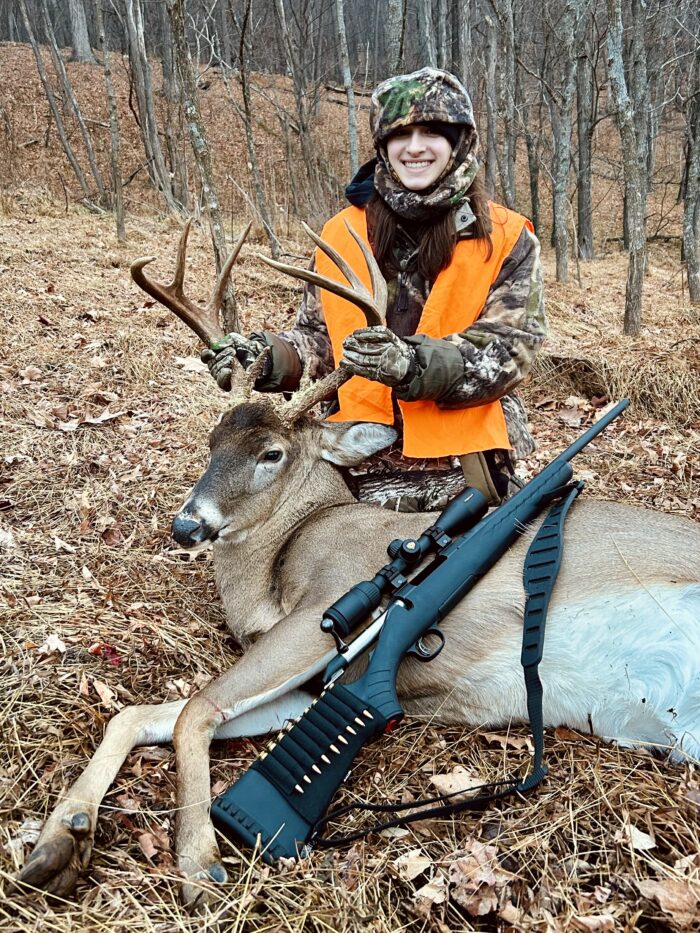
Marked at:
<point>465,313</point>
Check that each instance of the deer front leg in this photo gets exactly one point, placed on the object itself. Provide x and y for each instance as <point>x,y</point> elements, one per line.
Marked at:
<point>282,659</point>
<point>65,844</point>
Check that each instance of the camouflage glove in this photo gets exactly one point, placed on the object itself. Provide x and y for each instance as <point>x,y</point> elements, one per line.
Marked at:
<point>376,353</point>
<point>222,357</point>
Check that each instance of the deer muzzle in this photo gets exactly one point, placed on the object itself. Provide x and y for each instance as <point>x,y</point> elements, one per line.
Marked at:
<point>190,531</point>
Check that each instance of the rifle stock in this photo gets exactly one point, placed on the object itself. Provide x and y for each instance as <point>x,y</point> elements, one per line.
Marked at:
<point>284,794</point>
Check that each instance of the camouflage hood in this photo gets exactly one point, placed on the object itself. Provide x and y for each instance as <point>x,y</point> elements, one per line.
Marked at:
<point>425,96</point>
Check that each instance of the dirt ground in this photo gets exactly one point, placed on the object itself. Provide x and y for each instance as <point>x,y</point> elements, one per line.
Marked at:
<point>105,414</point>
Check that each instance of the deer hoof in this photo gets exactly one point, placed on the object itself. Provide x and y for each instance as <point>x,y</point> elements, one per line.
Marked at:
<point>195,893</point>
<point>55,864</point>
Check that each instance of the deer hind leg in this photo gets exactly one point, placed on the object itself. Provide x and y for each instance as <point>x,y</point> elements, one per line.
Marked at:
<point>65,843</point>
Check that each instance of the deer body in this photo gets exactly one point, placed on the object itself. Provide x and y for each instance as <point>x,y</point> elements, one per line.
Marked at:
<point>622,647</point>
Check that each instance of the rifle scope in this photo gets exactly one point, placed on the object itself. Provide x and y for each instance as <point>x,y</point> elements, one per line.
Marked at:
<point>459,515</point>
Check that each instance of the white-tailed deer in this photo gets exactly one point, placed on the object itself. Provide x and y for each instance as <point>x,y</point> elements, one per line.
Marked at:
<point>622,653</point>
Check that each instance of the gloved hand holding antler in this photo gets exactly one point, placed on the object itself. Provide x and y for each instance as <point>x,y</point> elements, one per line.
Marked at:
<point>376,353</point>
<point>222,356</point>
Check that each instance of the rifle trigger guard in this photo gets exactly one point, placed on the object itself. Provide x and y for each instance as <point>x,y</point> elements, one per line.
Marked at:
<point>422,651</point>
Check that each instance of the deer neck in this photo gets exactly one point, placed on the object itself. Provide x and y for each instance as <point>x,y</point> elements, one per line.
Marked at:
<point>247,570</point>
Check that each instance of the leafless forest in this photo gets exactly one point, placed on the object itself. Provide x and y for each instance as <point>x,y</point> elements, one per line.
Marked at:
<point>119,119</point>
<point>580,103</point>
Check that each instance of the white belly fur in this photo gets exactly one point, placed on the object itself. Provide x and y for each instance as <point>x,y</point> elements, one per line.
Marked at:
<point>628,667</point>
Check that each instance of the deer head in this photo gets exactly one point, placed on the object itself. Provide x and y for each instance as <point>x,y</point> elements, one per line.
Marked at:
<point>264,453</point>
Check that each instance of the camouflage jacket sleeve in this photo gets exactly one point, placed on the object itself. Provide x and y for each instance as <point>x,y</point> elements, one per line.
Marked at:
<point>307,345</point>
<point>488,359</point>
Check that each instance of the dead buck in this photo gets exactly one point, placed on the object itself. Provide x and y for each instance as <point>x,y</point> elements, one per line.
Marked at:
<point>622,653</point>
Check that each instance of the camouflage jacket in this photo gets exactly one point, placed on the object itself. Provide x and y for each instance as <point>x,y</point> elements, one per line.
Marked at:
<point>484,362</point>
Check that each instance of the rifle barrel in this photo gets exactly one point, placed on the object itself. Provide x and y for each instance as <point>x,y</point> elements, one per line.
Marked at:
<point>593,431</point>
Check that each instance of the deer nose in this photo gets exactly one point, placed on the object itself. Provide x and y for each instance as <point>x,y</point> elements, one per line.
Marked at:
<point>188,531</point>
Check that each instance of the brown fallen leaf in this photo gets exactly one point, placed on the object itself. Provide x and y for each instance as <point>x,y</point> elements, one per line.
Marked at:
<point>106,695</point>
<point>434,892</point>
<point>459,782</point>
<point>509,741</point>
<point>413,863</point>
<point>597,923</point>
<point>675,898</point>
<point>147,842</point>
<point>477,878</point>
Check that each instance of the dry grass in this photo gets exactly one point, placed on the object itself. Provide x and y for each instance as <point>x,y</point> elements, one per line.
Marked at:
<point>84,515</point>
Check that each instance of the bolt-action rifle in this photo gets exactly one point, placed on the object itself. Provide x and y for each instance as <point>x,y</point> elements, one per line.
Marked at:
<point>282,797</point>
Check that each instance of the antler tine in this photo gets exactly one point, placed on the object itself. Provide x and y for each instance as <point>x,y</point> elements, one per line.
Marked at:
<point>336,258</point>
<point>254,372</point>
<point>365,302</point>
<point>305,399</point>
<point>372,304</point>
<point>379,286</point>
<point>217,297</point>
<point>179,276</point>
<point>203,321</point>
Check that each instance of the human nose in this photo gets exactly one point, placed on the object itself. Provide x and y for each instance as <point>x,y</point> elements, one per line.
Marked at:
<point>416,143</point>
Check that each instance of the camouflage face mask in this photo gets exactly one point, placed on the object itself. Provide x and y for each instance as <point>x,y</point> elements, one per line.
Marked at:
<point>447,193</point>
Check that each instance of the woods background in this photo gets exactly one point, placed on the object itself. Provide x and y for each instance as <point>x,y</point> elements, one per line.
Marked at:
<point>588,110</point>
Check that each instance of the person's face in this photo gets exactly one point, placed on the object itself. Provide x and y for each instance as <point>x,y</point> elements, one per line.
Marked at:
<point>418,155</point>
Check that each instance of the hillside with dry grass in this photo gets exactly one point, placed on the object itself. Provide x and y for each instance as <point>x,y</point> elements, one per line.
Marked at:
<point>105,414</point>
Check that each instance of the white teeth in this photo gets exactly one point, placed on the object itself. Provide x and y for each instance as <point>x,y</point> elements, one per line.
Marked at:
<point>417,164</point>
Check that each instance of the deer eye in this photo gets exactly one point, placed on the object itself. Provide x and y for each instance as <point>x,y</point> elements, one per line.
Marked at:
<point>272,456</point>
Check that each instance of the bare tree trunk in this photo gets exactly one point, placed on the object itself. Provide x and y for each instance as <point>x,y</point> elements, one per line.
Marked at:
<point>394,28</point>
<point>247,117</point>
<point>317,208</point>
<point>347,83</point>
<point>691,205</point>
<point>584,124</point>
<point>174,129</point>
<point>490,91</point>
<point>443,57</point>
<point>141,74</point>
<point>633,171</point>
<point>117,193</point>
<point>202,154</point>
<point>70,99</point>
<point>461,40</point>
<point>425,25</point>
<point>53,104</point>
<point>562,126</point>
<point>506,96</point>
<point>82,51</point>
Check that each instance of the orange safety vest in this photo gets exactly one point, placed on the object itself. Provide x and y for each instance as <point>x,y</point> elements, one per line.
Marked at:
<point>455,301</point>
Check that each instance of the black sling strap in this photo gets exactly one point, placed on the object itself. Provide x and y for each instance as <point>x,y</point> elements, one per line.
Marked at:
<point>540,573</point>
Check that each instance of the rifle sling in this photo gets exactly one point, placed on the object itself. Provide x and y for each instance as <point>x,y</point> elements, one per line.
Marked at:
<point>540,573</point>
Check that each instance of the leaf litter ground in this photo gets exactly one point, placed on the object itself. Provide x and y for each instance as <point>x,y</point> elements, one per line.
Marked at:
<point>105,416</point>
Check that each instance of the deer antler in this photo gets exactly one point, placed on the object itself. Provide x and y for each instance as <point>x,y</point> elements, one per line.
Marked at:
<point>203,321</point>
<point>373,304</point>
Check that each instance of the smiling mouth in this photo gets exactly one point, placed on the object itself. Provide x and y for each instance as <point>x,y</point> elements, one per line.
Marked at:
<point>417,164</point>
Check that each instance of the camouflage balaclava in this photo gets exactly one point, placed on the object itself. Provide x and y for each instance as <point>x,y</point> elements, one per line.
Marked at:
<point>425,96</point>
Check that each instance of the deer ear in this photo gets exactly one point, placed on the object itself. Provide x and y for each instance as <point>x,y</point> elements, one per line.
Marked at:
<point>347,443</point>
